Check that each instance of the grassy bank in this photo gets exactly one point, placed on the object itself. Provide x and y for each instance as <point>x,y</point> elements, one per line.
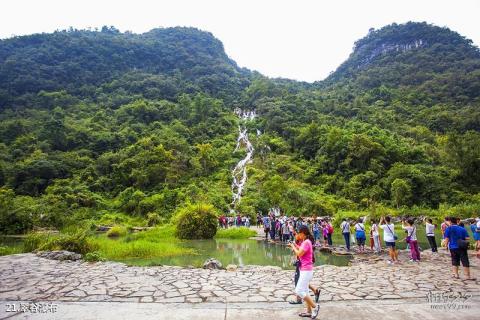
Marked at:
<point>235,233</point>
<point>154,243</point>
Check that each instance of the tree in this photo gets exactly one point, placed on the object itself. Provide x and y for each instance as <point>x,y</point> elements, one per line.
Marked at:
<point>401,192</point>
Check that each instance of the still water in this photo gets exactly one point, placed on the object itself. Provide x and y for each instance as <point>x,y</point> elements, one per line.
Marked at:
<point>238,252</point>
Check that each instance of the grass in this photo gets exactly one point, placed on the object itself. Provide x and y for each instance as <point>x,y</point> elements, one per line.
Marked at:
<point>117,231</point>
<point>144,249</point>
<point>235,233</point>
<point>6,250</point>
<point>154,243</point>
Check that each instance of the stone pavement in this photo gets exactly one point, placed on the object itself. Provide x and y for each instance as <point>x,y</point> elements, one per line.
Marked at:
<point>98,290</point>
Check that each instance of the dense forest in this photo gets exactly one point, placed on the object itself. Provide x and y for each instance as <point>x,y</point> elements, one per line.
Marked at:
<point>109,126</point>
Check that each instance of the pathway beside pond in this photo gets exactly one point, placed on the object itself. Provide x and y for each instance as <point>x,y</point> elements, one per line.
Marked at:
<point>26,277</point>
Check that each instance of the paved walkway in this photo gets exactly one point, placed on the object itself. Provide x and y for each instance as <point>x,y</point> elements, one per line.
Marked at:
<point>79,288</point>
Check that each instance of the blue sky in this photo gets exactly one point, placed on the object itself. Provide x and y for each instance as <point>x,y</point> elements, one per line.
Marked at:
<point>302,39</point>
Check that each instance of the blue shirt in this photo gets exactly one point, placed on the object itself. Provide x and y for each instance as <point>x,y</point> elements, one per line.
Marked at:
<point>476,235</point>
<point>266,222</point>
<point>454,233</point>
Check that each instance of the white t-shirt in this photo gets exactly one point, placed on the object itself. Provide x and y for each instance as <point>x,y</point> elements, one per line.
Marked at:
<point>411,231</point>
<point>359,227</point>
<point>345,226</point>
<point>388,231</point>
<point>430,229</point>
<point>374,230</point>
<point>478,225</point>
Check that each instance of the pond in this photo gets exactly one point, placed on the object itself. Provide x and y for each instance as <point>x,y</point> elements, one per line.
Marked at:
<point>228,251</point>
<point>238,252</point>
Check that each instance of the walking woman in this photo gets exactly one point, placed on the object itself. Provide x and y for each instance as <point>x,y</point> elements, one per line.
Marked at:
<point>305,254</point>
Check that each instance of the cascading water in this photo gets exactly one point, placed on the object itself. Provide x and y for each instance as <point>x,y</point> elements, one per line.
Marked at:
<point>239,173</point>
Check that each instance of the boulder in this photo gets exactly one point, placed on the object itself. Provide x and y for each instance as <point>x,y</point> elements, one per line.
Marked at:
<point>212,264</point>
<point>232,267</point>
<point>60,255</point>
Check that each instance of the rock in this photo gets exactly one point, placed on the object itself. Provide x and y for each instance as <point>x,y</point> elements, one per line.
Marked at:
<point>60,255</point>
<point>232,267</point>
<point>212,264</point>
<point>325,249</point>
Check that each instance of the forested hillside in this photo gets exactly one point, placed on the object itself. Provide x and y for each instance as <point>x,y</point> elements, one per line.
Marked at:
<point>108,126</point>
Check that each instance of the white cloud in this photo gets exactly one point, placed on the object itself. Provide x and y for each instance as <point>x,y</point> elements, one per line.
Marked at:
<point>302,40</point>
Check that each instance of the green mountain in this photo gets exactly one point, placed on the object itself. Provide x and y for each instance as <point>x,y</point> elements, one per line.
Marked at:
<point>117,127</point>
<point>161,63</point>
<point>432,60</point>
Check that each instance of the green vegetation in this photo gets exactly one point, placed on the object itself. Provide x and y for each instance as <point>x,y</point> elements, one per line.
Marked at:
<point>79,242</point>
<point>235,233</point>
<point>110,128</point>
<point>196,221</point>
<point>117,231</point>
<point>6,250</point>
<point>124,249</point>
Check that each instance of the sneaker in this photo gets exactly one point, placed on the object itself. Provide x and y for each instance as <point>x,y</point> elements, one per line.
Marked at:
<point>411,260</point>
<point>389,261</point>
<point>315,311</point>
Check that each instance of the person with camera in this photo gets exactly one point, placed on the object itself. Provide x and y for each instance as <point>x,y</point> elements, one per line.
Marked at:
<point>411,239</point>
<point>389,237</point>
<point>457,241</point>
<point>306,258</point>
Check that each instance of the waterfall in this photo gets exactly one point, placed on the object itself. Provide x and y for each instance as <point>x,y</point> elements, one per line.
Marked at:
<point>239,173</point>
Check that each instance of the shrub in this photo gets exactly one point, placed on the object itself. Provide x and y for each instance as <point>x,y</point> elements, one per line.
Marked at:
<point>235,233</point>
<point>117,231</point>
<point>196,221</point>
<point>93,257</point>
<point>153,219</point>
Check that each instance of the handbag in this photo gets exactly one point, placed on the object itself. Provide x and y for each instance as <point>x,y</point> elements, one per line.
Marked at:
<point>463,244</point>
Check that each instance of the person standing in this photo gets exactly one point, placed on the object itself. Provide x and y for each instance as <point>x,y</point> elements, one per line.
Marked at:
<point>376,237</point>
<point>266,226</point>
<point>285,231</point>
<point>360,235</point>
<point>476,235</point>
<point>456,240</point>
<point>330,233</point>
<point>389,237</point>
<point>324,232</point>
<point>345,227</point>
<point>306,256</point>
<point>316,231</point>
<point>412,239</point>
<point>273,225</point>
<point>430,232</point>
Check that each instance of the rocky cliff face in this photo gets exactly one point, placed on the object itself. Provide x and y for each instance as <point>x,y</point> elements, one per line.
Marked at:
<point>385,48</point>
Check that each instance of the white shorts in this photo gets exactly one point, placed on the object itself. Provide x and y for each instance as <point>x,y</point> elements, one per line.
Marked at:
<point>302,285</point>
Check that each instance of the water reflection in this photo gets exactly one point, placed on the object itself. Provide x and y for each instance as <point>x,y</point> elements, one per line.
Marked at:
<point>240,252</point>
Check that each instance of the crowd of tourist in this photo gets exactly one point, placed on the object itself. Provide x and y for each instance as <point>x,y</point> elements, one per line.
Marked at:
<point>233,221</point>
<point>304,234</point>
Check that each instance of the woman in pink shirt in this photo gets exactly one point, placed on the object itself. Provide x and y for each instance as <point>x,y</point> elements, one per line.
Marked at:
<point>306,256</point>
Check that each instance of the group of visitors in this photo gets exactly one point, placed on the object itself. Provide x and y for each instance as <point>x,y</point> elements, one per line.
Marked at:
<point>283,228</point>
<point>454,234</point>
<point>238,221</point>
